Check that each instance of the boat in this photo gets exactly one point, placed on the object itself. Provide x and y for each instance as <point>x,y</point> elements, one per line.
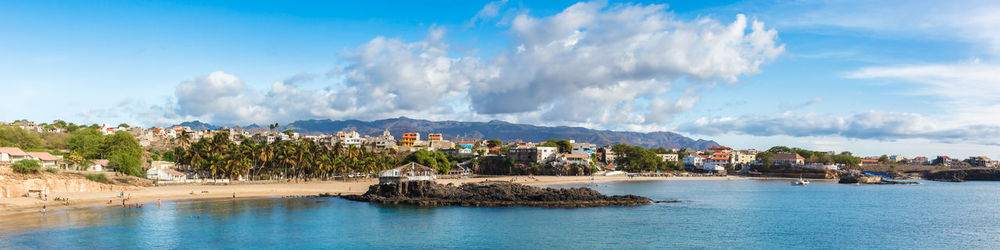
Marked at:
<point>800,182</point>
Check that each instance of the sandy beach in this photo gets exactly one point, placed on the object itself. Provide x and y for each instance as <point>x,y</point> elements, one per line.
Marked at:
<point>150,195</point>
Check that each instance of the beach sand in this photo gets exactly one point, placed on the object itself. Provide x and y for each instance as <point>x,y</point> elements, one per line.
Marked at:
<point>150,195</point>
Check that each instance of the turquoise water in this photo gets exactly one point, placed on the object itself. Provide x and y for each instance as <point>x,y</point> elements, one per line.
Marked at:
<point>716,214</point>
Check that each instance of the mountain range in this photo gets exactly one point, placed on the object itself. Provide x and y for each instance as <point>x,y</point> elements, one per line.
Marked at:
<point>505,131</point>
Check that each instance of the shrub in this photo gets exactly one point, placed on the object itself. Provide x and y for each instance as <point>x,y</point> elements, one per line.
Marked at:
<point>52,170</point>
<point>123,180</point>
<point>98,178</point>
<point>26,166</point>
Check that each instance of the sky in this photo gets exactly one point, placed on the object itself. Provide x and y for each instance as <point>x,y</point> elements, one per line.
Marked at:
<point>910,78</point>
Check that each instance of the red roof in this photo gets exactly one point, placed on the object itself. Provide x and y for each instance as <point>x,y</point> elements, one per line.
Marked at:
<point>13,151</point>
<point>43,156</point>
<point>869,160</point>
<point>719,158</point>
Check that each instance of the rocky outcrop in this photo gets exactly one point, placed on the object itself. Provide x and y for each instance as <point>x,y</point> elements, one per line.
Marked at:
<point>960,175</point>
<point>856,177</point>
<point>490,194</point>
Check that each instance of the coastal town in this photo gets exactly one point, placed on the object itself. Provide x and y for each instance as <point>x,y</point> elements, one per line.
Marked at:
<point>163,146</point>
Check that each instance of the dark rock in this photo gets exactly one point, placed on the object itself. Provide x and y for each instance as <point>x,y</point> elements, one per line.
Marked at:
<point>855,176</point>
<point>490,194</point>
<point>960,175</point>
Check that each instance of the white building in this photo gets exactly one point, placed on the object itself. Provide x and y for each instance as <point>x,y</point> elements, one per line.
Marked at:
<point>11,155</point>
<point>583,149</point>
<point>97,165</point>
<point>47,160</point>
<point>407,172</point>
<point>580,159</point>
<point>533,154</point>
<point>668,157</point>
<point>694,160</point>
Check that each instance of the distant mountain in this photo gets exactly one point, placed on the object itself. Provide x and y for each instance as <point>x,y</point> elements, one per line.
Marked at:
<point>460,131</point>
<point>196,125</point>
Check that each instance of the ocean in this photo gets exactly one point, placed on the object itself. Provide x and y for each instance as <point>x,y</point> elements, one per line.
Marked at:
<point>740,213</point>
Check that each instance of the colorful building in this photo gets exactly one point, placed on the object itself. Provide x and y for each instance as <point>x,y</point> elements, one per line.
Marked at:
<point>409,138</point>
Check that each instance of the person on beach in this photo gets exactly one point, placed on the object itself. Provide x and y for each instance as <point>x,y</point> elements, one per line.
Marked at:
<point>43,208</point>
<point>234,195</point>
<point>158,203</point>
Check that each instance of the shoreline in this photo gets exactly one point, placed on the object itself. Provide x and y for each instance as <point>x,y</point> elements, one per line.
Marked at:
<point>10,207</point>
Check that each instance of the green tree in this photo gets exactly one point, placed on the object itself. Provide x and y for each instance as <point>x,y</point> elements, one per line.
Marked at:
<point>26,166</point>
<point>88,143</point>
<point>125,154</point>
<point>168,156</point>
<point>436,160</point>
<point>494,143</point>
<point>123,125</point>
<point>563,145</point>
<point>883,159</point>
<point>288,132</point>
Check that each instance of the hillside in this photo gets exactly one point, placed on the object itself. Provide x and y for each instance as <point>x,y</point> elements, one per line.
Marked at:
<point>459,131</point>
<point>455,130</point>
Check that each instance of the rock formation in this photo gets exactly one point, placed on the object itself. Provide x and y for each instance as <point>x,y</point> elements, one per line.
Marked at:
<point>490,194</point>
<point>960,175</point>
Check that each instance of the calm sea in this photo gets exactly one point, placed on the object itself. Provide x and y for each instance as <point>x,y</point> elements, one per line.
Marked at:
<point>715,214</point>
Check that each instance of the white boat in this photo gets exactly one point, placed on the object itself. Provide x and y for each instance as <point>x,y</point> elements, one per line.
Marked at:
<point>800,182</point>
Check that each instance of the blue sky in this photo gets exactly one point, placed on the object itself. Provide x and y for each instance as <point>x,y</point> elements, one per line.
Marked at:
<point>873,77</point>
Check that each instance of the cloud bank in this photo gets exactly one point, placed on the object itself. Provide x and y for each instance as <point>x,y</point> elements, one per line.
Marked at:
<point>621,66</point>
<point>876,125</point>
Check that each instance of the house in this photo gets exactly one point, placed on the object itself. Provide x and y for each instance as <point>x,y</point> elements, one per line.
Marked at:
<point>694,160</point>
<point>466,144</point>
<point>11,155</point>
<point>742,157</point>
<point>868,162</point>
<point>458,170</point>
<point>165,174</point>
<point>981,161</point>
<point>407,172</point>
<point>580,159</point>
<point>789,159</point>
<point>435,137</point>
<point>97,165</point>
<point>668,157</point>
<point>583,148</point>
<point>532,154</point>
<point>47,160</point>
<point>718,159</point>
<point>409,138</point>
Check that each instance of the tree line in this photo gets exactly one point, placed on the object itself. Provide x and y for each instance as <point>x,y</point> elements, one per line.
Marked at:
<point>219,157</point>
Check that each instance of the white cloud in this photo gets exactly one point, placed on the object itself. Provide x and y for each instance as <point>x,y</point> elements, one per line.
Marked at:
<point>590,63</point>
<point>875,125</point>
<point>968,21</point>
<point>621,66</point>
<point>968,90</point>
<point>489,11</point>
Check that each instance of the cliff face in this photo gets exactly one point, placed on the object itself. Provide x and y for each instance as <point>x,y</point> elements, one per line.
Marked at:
<point>490,194</point>
<point>18,188</point>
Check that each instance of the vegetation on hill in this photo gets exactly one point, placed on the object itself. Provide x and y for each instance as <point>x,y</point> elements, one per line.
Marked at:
<point>26,166</point>
<point>123,151</point>
<point>637,158</point>
<point>846,158</point>
<point>436,160</point>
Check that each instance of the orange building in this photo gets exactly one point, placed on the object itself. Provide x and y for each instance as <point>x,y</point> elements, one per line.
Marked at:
<point>409,138</point>
<point>435,137</point>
